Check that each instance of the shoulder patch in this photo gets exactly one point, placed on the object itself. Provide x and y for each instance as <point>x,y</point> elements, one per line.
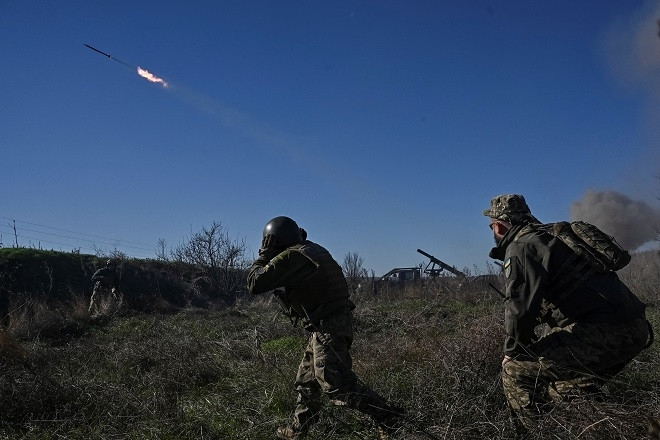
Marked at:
<point>507,268</point>
<point>264,269</point>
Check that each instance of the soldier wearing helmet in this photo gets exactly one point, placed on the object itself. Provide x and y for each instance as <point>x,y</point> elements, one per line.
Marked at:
<point>106,297</point>
<point>594,324</point>
<point>315,292</point>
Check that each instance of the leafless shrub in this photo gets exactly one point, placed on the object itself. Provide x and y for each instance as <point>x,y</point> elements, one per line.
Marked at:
<point>161,250</point>
<point>221,258</point>
<point>353,269</point>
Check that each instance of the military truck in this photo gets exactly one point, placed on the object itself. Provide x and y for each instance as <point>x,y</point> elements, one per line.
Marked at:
<point>400,277</point>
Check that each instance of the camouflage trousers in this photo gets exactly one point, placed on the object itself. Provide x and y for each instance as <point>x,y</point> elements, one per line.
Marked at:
<point>326,368</point>
<point>105,301</point>
<point>570,361</point>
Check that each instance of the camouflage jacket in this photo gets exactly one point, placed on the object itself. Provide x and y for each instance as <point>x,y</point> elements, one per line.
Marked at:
<point>530,262</point>
<point>314,284</point>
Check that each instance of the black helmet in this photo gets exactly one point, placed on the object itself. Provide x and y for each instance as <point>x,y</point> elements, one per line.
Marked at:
<point>285,230</point>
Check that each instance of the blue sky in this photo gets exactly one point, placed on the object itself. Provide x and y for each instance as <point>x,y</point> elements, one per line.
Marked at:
<point>380,126</point>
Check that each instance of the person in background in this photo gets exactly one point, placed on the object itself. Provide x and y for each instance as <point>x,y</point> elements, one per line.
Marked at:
<point>106,298</point>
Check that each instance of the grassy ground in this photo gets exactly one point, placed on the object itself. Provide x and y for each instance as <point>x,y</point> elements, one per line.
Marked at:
<point>227,374</point>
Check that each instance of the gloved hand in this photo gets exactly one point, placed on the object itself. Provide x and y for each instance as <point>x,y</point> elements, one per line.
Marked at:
<point>268,249</point>
<point>268,244</point>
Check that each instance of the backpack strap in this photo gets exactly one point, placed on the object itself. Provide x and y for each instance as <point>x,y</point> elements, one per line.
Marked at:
<point>570,275</point>
<point>651,336</point>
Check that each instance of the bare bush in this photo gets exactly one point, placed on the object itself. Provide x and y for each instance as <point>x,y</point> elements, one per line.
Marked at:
<point>354,272</point>
<point>221,258</point>
<point>161,250</point>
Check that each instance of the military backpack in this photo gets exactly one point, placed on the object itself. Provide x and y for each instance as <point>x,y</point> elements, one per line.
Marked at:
<point>593,252</point>
<point>587,241</point>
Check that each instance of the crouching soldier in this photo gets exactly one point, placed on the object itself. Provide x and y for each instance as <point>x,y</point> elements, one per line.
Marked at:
<point>596,324</point>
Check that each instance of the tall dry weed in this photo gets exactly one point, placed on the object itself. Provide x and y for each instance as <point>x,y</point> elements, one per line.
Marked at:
<point>227,372</point>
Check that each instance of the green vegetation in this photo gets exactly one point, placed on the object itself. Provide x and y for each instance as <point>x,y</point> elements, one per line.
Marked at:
<point>226,371</point>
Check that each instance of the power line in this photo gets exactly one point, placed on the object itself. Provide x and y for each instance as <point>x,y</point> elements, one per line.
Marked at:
<point>18,232</point>
<point>39,241</point>
<point>73,232</point>
<point>73,246</point>
<point>82,239</point>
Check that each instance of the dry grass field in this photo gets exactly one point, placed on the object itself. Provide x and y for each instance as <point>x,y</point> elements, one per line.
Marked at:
<point>226,372</point>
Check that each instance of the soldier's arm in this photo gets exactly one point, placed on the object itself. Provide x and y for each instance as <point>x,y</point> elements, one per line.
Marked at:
<point>101,274</point>
<point>525,278</point>
<point>285,269</point>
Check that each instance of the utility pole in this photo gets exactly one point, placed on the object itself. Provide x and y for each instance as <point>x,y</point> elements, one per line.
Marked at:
<point>15,234</point>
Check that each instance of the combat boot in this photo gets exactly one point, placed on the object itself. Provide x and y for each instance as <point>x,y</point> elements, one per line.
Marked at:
<point>387,430</point>
<point>289,433</point>
<point>392,425</point>
<point>383,433</point>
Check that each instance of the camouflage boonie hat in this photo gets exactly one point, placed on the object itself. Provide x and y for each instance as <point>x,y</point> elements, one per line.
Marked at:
<point>510,208</point>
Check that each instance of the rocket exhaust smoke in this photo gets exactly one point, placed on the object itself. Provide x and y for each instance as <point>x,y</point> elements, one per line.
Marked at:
<point>632,223</point>
<point>151,77</point>
<point>140,71</point>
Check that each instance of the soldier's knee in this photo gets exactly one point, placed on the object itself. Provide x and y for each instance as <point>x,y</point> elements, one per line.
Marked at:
<point>523,370</point>
<point>523,383</point>
<point>512,372</point>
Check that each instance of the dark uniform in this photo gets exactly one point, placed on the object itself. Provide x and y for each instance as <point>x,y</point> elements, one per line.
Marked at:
<point>594,331</point>
<point>316,293</point>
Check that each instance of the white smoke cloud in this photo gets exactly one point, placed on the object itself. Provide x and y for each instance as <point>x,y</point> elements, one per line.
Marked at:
<point>632,47</point>
<point>631,222</point>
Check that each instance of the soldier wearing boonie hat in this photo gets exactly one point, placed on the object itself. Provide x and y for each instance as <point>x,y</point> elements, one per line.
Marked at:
<point>510,208</point>
<point>597,325</point>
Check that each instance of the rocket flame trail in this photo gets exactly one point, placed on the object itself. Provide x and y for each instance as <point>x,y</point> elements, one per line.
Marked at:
<point>142,72</point>
<point>151,77</point>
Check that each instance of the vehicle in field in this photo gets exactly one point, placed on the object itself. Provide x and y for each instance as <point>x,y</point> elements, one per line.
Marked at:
<point>400,277</point>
